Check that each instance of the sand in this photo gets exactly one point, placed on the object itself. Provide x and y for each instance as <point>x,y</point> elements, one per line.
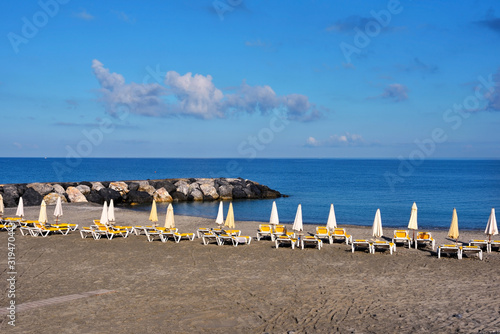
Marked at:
<point>188,287</point>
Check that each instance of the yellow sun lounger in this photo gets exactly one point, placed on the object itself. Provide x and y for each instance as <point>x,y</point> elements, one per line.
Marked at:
<point>362,244</point>
<point>279,230</point>
<point>450,249</point>
<point>41,229</point>
<point>311,240</point>
<point>208,237</point>
<point>264,231</point>
<point>481,243</point>
<point>241,240</point>
<point>384,245</point>
<point>323,233</point>
<point>494,244</point>
<point>285,240</point>
<point>339,233</point>
<point>425,238</point>
<point>401,237</point>
<point>475,250</point>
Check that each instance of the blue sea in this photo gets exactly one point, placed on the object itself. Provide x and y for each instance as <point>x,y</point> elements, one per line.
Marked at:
<point>356,187</point>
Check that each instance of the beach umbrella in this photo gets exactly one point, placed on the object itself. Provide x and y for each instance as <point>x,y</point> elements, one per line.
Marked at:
<point>453,232</point>
<point>111,212</point>
<point>42,217</point>
<point>58,212</point>
<point>169,219</point>
<point>274,220</point>
<point>377,225</point>
<point>230,217</point>
<point>332,221</point>
<point>1,206</point>
<point>104,214</point>
<point>153,216</point>
<point>297,223</point>
<point>413,225</point>
<point>491,227</point>
<point>20,208</point>
<point>220,215</point>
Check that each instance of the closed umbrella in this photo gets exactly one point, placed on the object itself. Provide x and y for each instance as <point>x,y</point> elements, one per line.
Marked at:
<point>220,215</point>
<point>104,214</point>
<point>413,225</point>
<point>332,221</point>
<point>1,206</point>
<point>230,217</point>
<point>169,219</point>
<point>274,220</point>
<point>111,212</point>
<point>491,227</point>
<point>20,208</point>
<point>58,212</point>
<point>153,216</point>
<point>297,223</point>
<point>453,232</point>
<point>42,217</point>
<point>377,225</point>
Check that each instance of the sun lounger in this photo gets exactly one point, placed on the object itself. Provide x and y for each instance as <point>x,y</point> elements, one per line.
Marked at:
<point>224,238</point>
<point>166,233</point>
<point>241,240</point>
<point>208,237</point>
<point>85,231</point>
<point>449,249</point>
<point>483,244</point>
<point>264,231</point>
<point>200,231</point>
<point>285,240</point>
<point>41,229</point>
<point>494,244</point>
<point>71,227</point>
<point>401,237</point>
<point>152,234</point>
<point>279,230</point>
<point>138,230</point>
<point>339,233</point>
<point>383,246</point>
<point>425,238</point>
<point>311,240</point>
<point>101,230</point>
<point>234,233</point>
<point>362,244</point>
<point>180,236</point>
<point>7,225</point>
<point>475,250</point>
<point>323,233</point>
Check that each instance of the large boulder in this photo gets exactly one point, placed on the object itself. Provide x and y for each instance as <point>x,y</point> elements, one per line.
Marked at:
<point>41,188</point>
<point>85,190</point>
<point>95,197</point>
<point>178,196</point>
<point>226,192</point>
<point>121,187</point>
<point>194,192</point>
<point>109,194</point>
<point>51,199</point>
<point>97,186</point>
<point>31,197</point>
<point>147,188</point>
<point>133,186</point>
<point>239,193</point>
<point>161,196</point>
<point>139,197</point>
<point>75,196</point>
<point>10,195</point>
<point>209,191</point>
<point>58,189</point>
<point>169,186</point>
<point>182,187</point>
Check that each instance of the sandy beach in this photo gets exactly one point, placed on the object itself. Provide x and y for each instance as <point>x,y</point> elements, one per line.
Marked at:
<point>188,287</point>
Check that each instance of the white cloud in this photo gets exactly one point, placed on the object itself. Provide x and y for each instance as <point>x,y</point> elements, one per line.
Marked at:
<point>197,96</point>
<point>396,92</point>
<point>346,139</point>
<point>124,17</point>
<point>84,15</point>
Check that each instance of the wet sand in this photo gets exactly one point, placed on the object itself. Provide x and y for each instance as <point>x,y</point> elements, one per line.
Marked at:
<point>188,287</point>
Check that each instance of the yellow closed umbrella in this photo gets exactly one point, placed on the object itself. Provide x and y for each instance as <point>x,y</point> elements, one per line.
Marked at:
<point>230,217</point>
<point>1,206</point>
<point>169,220</point>
<point>42,218</point>
<point>453,232</point>
<point>153,216</point>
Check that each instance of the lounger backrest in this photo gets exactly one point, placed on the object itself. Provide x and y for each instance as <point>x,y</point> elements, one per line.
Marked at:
<point>321,230</point>
<point>280,228</point>
<point>339,231</point>
<point>264,228</point>
<point>400,234</point>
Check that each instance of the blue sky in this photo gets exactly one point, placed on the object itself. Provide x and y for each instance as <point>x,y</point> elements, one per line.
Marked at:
<point>250,79</point>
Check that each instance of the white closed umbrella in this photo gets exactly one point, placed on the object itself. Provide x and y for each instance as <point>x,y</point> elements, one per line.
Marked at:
<point>297,223</point>
<point>491,227</point>
<point>331,224</point>
<point>169,219</point>
<point>20,208</point>
<point>274,220</point>
<point>58,211</point>
<point>111,212</point>
<point>42,217</point>
<point>377,225</point>
<point>413,224</point>
<point>104,214</point>
<point>2,208</point>
<point>220,215</point>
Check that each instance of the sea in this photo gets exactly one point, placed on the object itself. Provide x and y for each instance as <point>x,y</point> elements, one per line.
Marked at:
<point>356,187</point>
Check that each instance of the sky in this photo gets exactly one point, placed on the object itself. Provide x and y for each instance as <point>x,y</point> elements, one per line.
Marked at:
<point>408,80</point>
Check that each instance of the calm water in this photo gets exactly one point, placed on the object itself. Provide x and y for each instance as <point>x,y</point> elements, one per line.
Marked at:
<point>356,187</point>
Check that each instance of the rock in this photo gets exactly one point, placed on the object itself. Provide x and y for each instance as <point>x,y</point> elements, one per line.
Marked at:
<point>85,190</point>
<point>147,188</point>
<point>31,197</point>
<point>121,187</point>
<point>255,190</point>
<point>95,197</point>
<point>86,183</point>
<point>10,195</point>
<point>239,193</point>
<point>109,194</point>
<point>226,192</point>
<point>105,184</point>
<point>133,186</point>
<point>169,186</point>
<point>21,188</point>
<point>75,196</point>
<point>195,195</point>
<point>41,188</point>
<point>161,196</point>
<point>138,197</point>
<point>209,191</point>
<point>65,185</point>
<point>58,189</point>
<point>178,196</point>
<point>51,199</point>
<point>97,186</point>
<point>182,187</point>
